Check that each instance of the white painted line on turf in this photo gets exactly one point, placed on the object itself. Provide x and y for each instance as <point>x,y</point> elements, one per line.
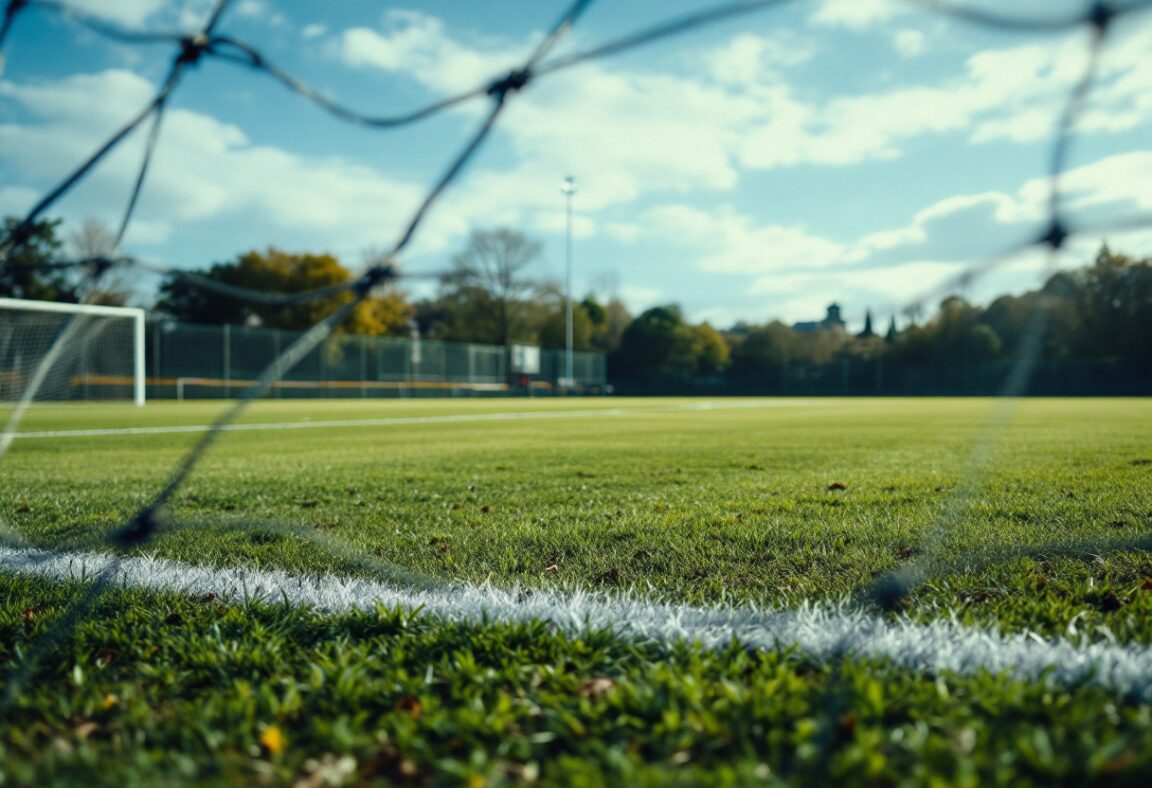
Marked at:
<point>821,632</point>
<point>397,421</point>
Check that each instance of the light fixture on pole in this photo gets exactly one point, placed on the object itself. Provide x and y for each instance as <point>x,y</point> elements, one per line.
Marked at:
<point>568,187</point>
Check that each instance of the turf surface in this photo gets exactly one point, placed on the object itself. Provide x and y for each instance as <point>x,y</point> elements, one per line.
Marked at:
<point>1032,516</point>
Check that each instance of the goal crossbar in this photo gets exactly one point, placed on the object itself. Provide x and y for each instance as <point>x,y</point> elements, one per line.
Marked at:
<point>135,314</point>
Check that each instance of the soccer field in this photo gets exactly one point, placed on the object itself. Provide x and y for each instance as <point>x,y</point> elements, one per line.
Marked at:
<point>597,589</point>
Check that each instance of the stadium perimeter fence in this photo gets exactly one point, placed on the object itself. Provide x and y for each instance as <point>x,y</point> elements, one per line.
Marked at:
<point>192,361</point>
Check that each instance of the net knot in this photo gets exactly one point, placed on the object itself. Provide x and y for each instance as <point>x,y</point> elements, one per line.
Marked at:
<point>14,7</point>
<point>1055,236</point>
<point>99,265</point>
<point>192,48</point>
<point>1100,16</point>
<point>140,530</point>
<point>374,277</point>
<point>514,81</point>
<point>17,238</point>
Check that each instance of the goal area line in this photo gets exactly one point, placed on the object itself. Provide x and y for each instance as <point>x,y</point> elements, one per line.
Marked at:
<point>819,631</point>
<point>407,420</point>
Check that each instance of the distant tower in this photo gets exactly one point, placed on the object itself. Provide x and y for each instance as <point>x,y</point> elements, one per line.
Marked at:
<point>867,333</point>
<point>891,335</point>
<point>833,318</point>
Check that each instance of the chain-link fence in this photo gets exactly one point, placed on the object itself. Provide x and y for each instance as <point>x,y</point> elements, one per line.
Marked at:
<point>187,361</point>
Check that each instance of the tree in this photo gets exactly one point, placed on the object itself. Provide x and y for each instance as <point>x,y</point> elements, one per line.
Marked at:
<point>276,271</point>
<point>25,274</point>
<point>658,346</point>
<point>764,351</point>
<point>554,330</point>
<point>608,322</point>
<point>486,294</point>
<point>712,352</point>
<point>1115,304</point>
<point>94,239</point>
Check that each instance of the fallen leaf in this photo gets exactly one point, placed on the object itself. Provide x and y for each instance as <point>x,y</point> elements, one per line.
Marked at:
<point>597,687</point>
<point>86,729</point>
<point>29,614</point>
<point>1110,603</point>
<point>837,486</point>
<point>411,706</point>
<point>610,576</point>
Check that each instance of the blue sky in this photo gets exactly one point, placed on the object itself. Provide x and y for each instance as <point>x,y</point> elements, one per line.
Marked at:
<point>862,151</point>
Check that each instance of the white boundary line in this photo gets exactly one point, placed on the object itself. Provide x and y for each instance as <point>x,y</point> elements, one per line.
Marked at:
<point>821,632</point>
<point>402,420</point>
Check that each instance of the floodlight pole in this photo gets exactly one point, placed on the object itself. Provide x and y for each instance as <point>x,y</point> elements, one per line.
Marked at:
<point>568,187</point>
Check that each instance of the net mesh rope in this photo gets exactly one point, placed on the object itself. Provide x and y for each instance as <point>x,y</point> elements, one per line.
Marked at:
<point>1051,235</point>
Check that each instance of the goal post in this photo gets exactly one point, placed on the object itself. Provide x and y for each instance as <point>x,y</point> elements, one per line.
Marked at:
<point>91,351</point>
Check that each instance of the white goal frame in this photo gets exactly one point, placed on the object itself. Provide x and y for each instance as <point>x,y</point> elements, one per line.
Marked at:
<point>136,314</point>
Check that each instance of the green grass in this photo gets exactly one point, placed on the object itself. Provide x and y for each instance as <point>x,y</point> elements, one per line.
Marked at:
<point>1034,523</point>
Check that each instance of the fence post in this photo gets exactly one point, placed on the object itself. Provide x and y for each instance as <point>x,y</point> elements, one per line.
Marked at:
<point>363,342</point>
<point>227,360</point>
<point>276,354</point>
<point>155,352</point>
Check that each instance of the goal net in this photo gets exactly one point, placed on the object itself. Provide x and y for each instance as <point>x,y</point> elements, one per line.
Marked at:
<point>52,351</point>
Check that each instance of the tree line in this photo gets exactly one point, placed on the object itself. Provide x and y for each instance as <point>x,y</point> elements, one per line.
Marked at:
<point>1098,314</point>
<point>1102,311</point>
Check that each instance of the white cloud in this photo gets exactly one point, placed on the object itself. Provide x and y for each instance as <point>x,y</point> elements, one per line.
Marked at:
<point>970,227</point>
<point>638,298</point>
<point>630,132</point>
<point>1015,93</point>
<point>963,227</point>
<point>556,222</point>
<point>416,44</point>
<point>855,14</point>
<point>633,129</point>
<point>725,241</point>
<point>194,13</point>
<point>131,13</point>
<point>259,9</point>
<point>1117,184</point>
<point>803,294</point>
<point>748,59</point>
<point>313,30</point>
<point>204,171</point>
<point>909,43</point>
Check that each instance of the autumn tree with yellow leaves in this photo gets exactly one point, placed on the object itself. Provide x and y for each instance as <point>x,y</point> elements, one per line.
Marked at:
<point>275,271</point>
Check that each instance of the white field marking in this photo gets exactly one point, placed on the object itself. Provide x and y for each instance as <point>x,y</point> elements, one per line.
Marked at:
<point>819,631</point>
<point>401,420</point>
